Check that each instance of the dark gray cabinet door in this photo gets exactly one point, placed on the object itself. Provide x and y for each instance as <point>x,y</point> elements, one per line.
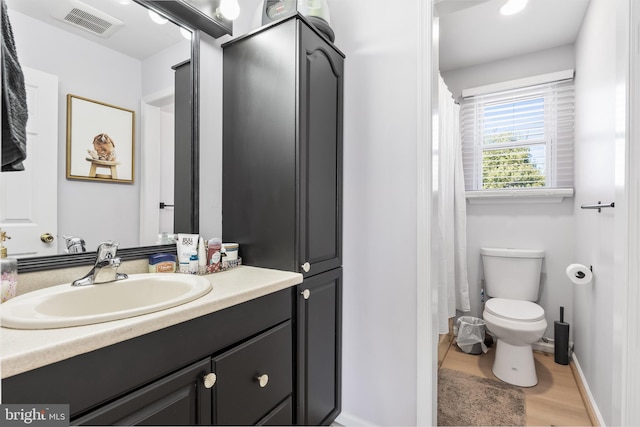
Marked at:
<point>321,80</point>
<point>178,399</point>
<point>319,348</point>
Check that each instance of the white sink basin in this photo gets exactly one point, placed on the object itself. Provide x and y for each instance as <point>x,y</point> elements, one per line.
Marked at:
<point>65,305</point>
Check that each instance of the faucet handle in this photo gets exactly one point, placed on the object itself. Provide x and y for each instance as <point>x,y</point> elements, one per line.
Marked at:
<point>107,250</point>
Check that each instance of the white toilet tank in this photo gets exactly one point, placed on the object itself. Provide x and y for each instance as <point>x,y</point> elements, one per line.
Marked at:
<point>512,273</point>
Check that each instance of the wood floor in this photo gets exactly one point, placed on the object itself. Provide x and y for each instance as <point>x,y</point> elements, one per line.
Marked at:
<point>554,401</point>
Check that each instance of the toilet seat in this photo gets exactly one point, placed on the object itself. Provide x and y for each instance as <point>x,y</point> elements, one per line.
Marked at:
<point>514,310</point>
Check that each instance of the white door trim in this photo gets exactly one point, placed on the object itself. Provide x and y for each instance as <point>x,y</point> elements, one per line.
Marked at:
<point>626,381</point>
<point>426,328</point>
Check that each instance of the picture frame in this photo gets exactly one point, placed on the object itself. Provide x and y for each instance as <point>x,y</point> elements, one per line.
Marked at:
<point>100,141</point>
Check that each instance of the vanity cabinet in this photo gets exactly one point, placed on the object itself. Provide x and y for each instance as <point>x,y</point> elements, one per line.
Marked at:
<point>282,186</point>
<point>165,377</point>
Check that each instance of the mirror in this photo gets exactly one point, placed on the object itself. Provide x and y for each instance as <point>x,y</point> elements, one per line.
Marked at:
<point>140,79</point>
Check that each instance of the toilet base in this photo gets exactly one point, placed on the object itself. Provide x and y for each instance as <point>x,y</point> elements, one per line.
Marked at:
<point>514,364</point>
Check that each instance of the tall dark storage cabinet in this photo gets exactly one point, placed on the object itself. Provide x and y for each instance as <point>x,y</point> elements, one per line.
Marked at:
<point>282,187</point>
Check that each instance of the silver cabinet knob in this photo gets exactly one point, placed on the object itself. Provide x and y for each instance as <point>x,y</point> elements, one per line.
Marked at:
<point>306,267</point>
<point>209,380</point>
<point>306,294</point>
<point>263,380</point>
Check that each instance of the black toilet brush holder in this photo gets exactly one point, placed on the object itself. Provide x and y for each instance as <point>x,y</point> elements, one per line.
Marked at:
<point>561,340</point>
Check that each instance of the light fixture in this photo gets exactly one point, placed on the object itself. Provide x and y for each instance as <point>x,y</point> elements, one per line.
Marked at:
<point>185,33</point>
<point>124,2</point>
<point>511,7</point>
<point>157,18</point>
<point>230,9</point>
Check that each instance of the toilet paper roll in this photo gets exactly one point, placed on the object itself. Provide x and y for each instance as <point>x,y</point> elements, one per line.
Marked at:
<point>579,274</point>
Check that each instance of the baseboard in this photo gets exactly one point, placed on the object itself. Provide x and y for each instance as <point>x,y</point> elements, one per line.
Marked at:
<point>348,420</point>
<point>585,392</point>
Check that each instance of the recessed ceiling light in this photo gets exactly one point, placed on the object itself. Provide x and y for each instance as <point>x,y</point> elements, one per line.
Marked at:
<point>511,7</point>
<point>185,33</point>
<point>157,18</point>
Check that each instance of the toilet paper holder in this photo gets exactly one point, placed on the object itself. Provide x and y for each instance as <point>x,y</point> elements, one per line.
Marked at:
<point>599,206</point>
<point>580,274</point>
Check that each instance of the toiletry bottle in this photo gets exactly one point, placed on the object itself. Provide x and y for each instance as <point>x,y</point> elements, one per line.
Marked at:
<point>8,271</point>
<point>193,263</point>
<point>213,255</point>
<point>202,257</point>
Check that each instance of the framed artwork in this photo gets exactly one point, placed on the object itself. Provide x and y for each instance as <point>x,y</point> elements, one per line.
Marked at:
<point>100,141</point>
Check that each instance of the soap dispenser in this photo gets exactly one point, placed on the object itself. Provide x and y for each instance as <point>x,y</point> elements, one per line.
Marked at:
<point>8,271</point>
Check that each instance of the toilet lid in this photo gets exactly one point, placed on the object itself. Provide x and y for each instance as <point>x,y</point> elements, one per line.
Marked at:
<point>524,311</point>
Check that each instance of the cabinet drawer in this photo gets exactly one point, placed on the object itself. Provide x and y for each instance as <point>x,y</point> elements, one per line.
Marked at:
<point>253,377</point>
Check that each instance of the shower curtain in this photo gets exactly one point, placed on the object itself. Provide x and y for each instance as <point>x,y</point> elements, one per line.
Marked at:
<point>451,217</point>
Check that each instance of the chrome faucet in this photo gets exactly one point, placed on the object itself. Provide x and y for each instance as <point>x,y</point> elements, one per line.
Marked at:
<point>75,245</point>
<point>105,268</point>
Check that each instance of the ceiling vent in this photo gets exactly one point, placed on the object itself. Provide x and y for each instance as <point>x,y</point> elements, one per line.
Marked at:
<point>88,18</point>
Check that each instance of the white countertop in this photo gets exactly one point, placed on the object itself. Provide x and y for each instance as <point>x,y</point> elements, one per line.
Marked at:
<point>23,350</point>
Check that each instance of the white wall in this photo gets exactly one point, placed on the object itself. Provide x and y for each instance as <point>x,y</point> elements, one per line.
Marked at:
<point>210,138</point>
<point>542,62</point>
<point>380,176</point>
<point>595,171</point>
<point>530,224</point>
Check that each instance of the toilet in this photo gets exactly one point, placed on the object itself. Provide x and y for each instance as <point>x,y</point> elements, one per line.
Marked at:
<point>512,282</point>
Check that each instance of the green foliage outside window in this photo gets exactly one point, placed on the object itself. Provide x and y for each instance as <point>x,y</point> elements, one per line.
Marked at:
<point>509,167</point>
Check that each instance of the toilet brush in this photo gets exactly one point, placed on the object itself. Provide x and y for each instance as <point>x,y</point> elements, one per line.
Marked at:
<point>561,340</point>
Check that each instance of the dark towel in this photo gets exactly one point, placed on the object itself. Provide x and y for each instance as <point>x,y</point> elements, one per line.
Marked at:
<point>14,102</point>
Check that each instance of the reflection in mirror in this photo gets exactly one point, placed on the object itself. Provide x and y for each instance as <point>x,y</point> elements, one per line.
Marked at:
<point>111,52</point>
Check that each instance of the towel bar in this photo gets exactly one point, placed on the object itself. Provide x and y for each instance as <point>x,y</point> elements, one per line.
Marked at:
<point>599,206</point>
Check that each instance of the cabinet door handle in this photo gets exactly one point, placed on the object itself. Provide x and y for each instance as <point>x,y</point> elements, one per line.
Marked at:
<point>306,294</point>
<point>306,267</point>
<point>263,380</point>
<point>209,380</point>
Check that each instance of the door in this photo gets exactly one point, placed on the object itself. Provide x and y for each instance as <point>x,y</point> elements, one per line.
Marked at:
<point>321,76</point>
<point>29,205</point>
<point>319,348</point>
<point>157,171</point>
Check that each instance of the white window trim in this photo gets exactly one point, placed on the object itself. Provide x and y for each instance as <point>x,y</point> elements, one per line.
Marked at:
<point>518,196</point>
<point>518,83</point>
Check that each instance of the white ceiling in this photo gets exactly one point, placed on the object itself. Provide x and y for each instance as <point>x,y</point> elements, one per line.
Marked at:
<point>138,38</point>
<point>478,34</point>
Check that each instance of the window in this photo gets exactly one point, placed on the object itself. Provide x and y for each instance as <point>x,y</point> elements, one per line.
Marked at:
<point>519,139</point>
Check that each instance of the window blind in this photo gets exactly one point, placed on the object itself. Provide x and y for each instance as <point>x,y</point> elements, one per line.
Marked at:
<point>520,138</point>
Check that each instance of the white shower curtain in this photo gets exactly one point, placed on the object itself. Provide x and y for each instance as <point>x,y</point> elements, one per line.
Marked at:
<point>451,217</point>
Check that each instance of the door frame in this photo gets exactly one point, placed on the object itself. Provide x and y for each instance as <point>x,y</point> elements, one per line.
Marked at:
<point>426,289</point>
<point>626,378</point>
